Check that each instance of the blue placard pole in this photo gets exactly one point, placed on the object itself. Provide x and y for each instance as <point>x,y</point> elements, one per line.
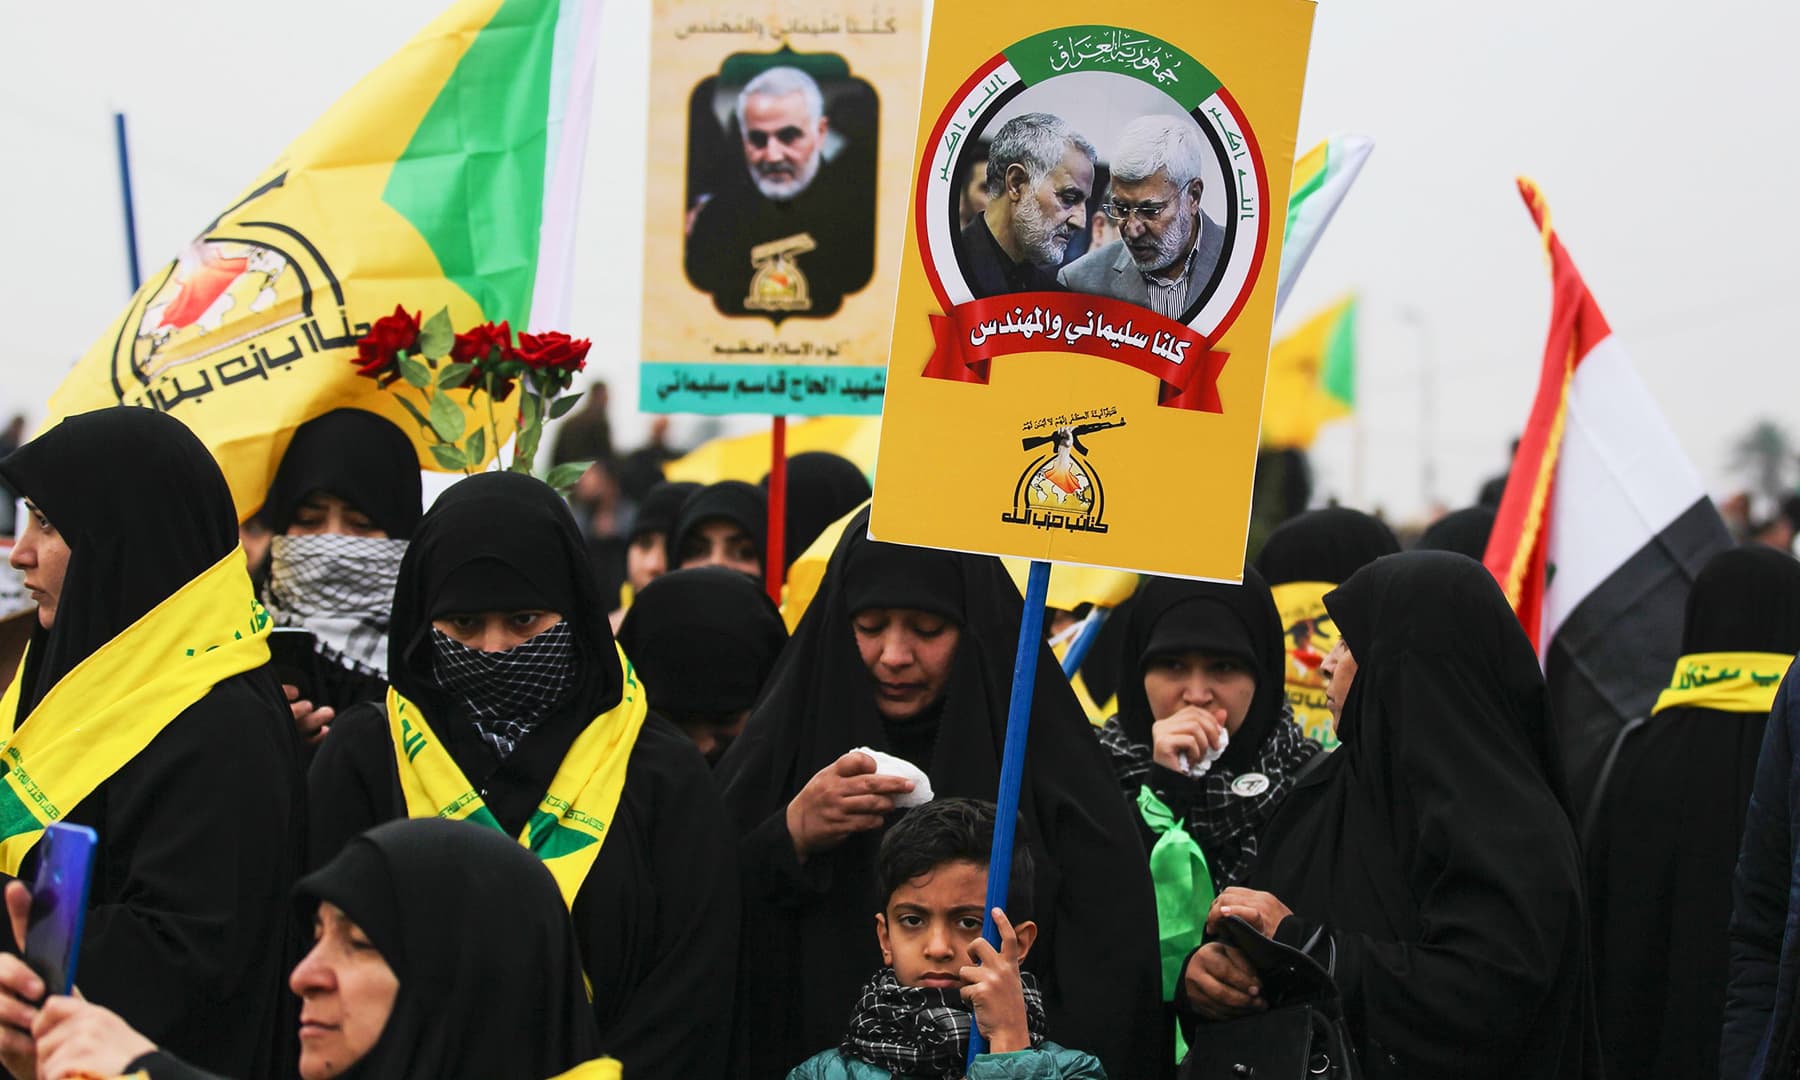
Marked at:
<point>1084,640</point>
<point>131,248</point>
<point>1012,763</point>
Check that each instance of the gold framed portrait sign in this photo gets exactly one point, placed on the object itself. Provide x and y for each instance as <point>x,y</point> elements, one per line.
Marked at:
<point>781,139</point>
<point>1078,358</point>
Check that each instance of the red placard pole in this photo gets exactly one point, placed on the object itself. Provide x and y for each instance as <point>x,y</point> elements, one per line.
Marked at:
<point>776,548</point>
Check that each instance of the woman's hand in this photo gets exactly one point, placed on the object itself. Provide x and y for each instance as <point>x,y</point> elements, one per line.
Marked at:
<point>312,723</point>
<point>1260,909</point>
<point>844,798</point>
<point>1220,984</point>
<point>77,1038</point>
<point>992,987</point>
<point>19,987</point>
<point>1190,733</point>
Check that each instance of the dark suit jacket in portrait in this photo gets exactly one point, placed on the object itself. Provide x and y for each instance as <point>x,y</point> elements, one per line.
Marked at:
<point>1110,271</point>
<point>991,272</point>
<point>837,211</point>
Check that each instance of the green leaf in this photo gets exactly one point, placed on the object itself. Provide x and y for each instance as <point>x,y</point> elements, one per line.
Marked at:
<point>415,373</point>
<point>530,413</point>
<point>437,337</point>
<point>449,456</point>
<point>452,377</point>
<point>562,405</point>
<point>476,448</point>
<point>446,418</point>
<point>414,409</point>
<point>564,476</point>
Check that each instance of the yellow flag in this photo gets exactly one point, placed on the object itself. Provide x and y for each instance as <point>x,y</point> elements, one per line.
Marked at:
<point>1312,377</point>
<point>429,185</point>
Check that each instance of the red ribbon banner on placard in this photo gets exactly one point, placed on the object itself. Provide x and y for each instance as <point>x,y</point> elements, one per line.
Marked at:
<point>973,334</point>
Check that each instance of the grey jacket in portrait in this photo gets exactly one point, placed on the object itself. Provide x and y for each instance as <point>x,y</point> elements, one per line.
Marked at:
<point>1110,271</point>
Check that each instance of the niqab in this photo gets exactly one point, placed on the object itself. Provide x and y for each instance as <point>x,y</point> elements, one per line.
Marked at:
<point>1435,844</point>
<point>809,928</point>
<point>500,542</point>
<point>476,931</point>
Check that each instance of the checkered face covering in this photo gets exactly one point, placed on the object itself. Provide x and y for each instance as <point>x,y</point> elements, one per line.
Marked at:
<point>341,588</point>
<point>506,693</point>
<point>922,1030</point>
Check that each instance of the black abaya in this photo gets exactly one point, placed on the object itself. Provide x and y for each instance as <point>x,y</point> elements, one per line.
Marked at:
<point>201,832</point>
<point>1666,834</point>
<point>809,937</point>
<point>657,915</point>
<point>1434,845</point>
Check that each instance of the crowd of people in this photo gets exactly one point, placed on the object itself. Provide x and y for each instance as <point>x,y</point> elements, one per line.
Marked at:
<point>419,792</point>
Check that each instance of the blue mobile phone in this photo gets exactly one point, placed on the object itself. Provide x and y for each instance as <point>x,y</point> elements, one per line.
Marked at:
<point>59,899</point>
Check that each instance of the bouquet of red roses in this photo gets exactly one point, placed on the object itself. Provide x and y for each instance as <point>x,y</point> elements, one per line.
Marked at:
<point>436,361</point>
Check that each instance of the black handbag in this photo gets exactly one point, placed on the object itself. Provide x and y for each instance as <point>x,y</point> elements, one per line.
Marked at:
<point>1301,1036</point>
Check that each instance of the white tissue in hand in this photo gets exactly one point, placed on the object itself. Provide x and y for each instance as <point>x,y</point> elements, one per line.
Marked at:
<point>889,765</point>
<point>1198,769</point>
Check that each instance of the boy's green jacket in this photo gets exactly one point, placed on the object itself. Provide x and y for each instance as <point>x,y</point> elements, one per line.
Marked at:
<point>1049,1062</point>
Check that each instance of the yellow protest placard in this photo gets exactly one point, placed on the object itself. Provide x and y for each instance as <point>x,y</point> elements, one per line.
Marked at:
<point>781,141</point>
<point>1077,369</point>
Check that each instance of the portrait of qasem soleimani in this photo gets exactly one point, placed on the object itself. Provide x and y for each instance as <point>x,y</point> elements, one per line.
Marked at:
<point>781,185</point>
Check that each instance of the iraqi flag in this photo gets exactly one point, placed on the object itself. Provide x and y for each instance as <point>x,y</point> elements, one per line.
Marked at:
<point>1604,526</point>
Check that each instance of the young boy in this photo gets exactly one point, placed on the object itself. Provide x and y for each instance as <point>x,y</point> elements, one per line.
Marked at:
<point>913,1019</point>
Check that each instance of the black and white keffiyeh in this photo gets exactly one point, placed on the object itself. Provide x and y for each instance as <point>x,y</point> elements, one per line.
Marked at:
<point>1225,809</point>
<point>341,588</point>
<point>506,693</point>
<point>922,1030</point>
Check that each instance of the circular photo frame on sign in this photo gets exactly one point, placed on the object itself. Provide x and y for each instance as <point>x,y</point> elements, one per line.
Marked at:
<point>1092,189</point>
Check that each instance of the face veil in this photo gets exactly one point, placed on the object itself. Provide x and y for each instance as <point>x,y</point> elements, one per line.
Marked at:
<point>500,542</point>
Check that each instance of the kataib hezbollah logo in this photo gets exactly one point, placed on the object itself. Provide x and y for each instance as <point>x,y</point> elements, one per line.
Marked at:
<point>433,184</point>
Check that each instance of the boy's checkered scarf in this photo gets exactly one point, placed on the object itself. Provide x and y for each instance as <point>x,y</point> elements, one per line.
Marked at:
<point>922,1030</point>
<point>506,693</point>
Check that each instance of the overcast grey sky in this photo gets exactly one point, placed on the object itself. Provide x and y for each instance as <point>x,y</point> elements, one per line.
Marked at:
<point>1655,129</point>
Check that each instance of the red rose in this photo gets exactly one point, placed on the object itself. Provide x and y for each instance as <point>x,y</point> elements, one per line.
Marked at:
<point>478,344</point>
<point>377,350</point>
<point>554,350</point>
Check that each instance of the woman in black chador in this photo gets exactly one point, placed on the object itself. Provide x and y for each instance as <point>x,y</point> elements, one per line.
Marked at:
<point>1666,830</point>
<point>511,706</point>
<point>910,651</point>
<point>147,711</point>
<point>1429,861</point>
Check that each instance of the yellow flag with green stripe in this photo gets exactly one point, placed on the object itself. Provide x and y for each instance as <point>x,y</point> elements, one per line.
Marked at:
<point>446,178</point>
<point>1312,378</point>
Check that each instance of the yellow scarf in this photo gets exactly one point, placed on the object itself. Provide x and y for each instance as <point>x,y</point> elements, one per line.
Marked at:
<point>111,705</point>
<point>1729,682</point>
<point>597,1069</point>
<point>571,819</point>
<point>1310,635</point>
